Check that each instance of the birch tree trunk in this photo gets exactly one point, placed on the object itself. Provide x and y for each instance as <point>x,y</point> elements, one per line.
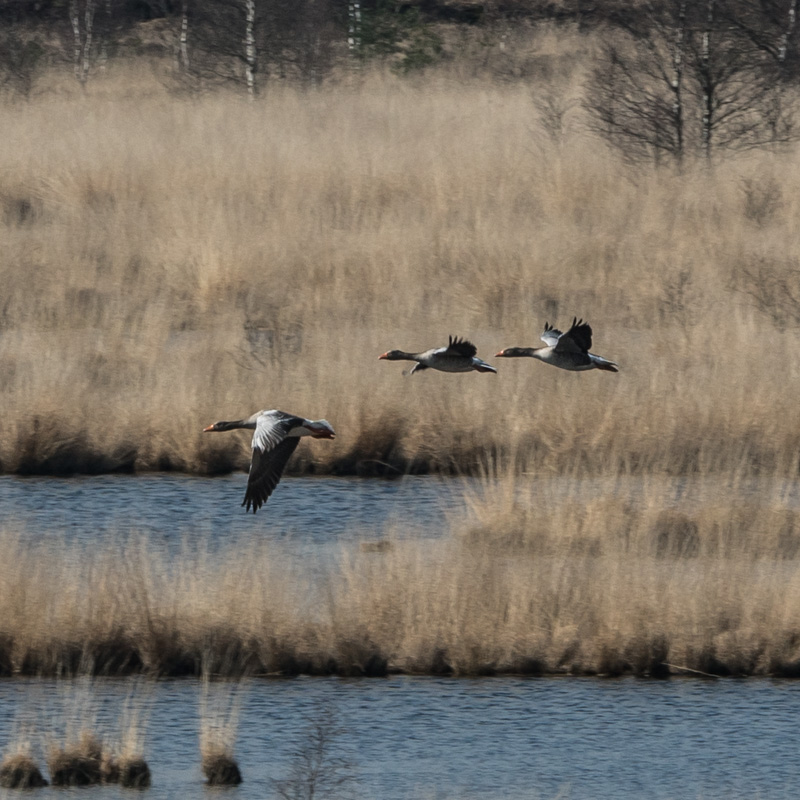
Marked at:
<point>708,86</point>
<point>87,41</point>
<point>677,80</point>
<point>354,27</point>
<point>183,39</point>
<point>791,21</point>
<point>75,21</point>
<point>250,47</point>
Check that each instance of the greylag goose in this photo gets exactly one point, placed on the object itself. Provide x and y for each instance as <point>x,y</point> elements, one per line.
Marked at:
<point>276,437</point>
<point>458,356</point>
<point>568,350</point>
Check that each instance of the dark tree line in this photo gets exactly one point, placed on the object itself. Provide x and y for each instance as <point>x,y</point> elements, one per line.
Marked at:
<point>675,78</point>
<point>247,42</point>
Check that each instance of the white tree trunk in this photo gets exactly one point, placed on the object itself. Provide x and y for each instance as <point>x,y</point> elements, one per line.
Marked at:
<point>87,42</point>
<point>184,36</point>
<point>354,27</point>
<point>75,21</point>
<point>791,21</point>
<point>250,46</point>
<point>708,96</point>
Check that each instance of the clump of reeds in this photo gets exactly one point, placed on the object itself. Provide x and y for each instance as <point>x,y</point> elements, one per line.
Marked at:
<point>132,772</point>
<point>126,764</point>
<point>220,705</point>
<point>18,770</point>
<point>77,763</point>
<point>220,767</point>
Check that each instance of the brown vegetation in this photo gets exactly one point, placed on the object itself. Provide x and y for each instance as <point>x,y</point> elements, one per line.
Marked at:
<point>535,579</point>
<point>167,263</point>
<point>77,763</point>
<point>20,771</point>
<point>220,705</point>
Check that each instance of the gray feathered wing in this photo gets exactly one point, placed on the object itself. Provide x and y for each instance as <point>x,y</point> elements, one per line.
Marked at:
<point>578,339</point>
<point>460,347</point>
<point>272,448</point>
<point>266,469</point>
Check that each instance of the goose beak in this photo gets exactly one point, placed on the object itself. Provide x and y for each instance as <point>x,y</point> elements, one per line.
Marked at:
<point>209,428</point>
<point>500,354</point>
<point>385,355</point>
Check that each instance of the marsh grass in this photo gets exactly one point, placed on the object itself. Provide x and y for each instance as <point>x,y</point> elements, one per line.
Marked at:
<point>19,771</point>
<point>169,262</point>
<point>220,708</point>
<point>76,762</point>
<point>123,761</point>
<point>635,576</point>
<point>18,768</point>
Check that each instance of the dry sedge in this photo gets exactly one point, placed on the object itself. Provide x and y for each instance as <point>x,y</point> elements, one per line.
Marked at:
<point>167,263</point>
<point>78,763</point>
<point>533,578</point>
<point>180,261</point>
<point>20,771</point>
<point>126,764</point>
<point>220,705</point>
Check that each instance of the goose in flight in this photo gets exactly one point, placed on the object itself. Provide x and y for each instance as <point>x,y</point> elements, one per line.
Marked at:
<point>568,350</point>
<point>276,437</point>
<point>458,356</point>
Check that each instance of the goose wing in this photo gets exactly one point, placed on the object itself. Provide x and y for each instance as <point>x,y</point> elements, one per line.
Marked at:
<point>272,448</point>
<point>550,335</point>
<point>460,347</point>
<point>578,339</point>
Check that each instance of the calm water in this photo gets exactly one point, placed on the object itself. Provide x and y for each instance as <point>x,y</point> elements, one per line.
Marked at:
<point>407,737</point>
<point>490,738</point>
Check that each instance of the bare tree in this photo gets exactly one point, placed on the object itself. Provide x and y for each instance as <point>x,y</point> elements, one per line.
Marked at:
<point>684,80</point>
<point>316,768</point>
<point>637,92</point>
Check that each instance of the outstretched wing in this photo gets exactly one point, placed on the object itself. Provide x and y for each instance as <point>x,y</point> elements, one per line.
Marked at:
<point>271,450</point>
<point>460,347</point>
<point>578,339</point>
<point>266,469</point>
<point>550,335</point>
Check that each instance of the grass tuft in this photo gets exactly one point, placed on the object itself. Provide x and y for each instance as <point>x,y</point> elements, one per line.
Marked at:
<point>20,771</point>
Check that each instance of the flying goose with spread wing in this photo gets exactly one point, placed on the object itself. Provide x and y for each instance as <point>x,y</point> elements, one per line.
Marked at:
<point>458,356</point>
<point>276,437</point>
<point>568,350</point>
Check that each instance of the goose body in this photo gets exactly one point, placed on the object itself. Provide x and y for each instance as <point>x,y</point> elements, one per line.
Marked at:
<point>276,436</point>
<point>568,350</point>
<point>459,356</point>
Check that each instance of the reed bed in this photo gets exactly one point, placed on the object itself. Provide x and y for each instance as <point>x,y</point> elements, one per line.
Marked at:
<point>168,262</point>
<point>526,582</point>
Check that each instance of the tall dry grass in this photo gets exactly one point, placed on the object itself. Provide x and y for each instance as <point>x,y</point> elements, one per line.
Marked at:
<point>526,581</point>
<point>168,262</point>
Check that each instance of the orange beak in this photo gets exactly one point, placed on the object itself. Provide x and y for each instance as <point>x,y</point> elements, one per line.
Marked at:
<point>499,355</point>
<point>385,355</point>
<point>209,428</point>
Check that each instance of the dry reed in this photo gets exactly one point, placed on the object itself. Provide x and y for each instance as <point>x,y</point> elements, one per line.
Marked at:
<point>220,706</point>
<point>18,770</point>
<point>169,262</point>
<point>77,762</point>
<point>535,578</point>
